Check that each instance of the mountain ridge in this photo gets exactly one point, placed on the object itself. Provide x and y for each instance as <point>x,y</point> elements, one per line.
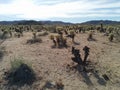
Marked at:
<point>34,22</point>
<point>97,22</point>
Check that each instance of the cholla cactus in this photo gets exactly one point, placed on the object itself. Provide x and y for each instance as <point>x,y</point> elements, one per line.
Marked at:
<point>60,33</point>
<point>90,36</point>
<point>53,39</point>
<point>5,32</point>
<point>66,32</point>
<point>10,32</point>
<point>18,34</point>
<point>65,42</point>
<point>34,35</point>
<point>72,34</point>
<point>111,36</point>
<point>101,28</point>
<point>58,39</point>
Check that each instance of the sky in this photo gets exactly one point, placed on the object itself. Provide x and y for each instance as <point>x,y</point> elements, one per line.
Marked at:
<point>74,11</point>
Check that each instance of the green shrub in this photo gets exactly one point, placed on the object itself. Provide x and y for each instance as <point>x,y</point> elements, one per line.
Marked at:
<point>16,63</point>
<point>20,73</point>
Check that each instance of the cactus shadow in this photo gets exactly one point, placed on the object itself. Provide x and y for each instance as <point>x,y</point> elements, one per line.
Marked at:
<point>76,43</point>
<point>81,70</point>
<point>48,85</point>
<point>100,80</point>
<point>84,71</point>
<point>90,67</point>
<point>53,46</point>
<point>59,47</point>
<point>92,39</point>
<point>87,80</point>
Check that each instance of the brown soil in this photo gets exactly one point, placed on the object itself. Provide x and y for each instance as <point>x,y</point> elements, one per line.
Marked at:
<point>50,63</point>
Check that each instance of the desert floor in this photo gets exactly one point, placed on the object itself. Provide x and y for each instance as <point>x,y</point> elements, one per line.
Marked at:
<point>50,64</point>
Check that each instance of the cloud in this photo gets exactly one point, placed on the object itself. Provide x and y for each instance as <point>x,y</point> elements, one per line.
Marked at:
<point>47,9</point>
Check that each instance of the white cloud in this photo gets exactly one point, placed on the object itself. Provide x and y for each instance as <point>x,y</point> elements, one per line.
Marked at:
<point>28,9</point>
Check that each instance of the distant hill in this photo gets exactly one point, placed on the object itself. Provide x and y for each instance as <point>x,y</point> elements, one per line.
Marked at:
<point>33,22</point>
<point>97,22</point>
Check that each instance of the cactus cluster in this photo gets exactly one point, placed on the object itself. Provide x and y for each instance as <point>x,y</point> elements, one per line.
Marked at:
<point>59,40</point>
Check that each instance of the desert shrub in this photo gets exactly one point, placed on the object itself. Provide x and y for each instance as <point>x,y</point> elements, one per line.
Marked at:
<point>51,29</point>
<point>16,63</point>
<point>20,73</point>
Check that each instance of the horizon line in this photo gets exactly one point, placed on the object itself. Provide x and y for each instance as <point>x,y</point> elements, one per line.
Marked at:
<point>59,20</point>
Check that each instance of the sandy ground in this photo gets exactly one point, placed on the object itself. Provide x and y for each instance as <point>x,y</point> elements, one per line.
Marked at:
<point>50,63</point>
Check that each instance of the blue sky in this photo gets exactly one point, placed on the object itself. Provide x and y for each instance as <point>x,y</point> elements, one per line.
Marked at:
<point>60,10</point>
